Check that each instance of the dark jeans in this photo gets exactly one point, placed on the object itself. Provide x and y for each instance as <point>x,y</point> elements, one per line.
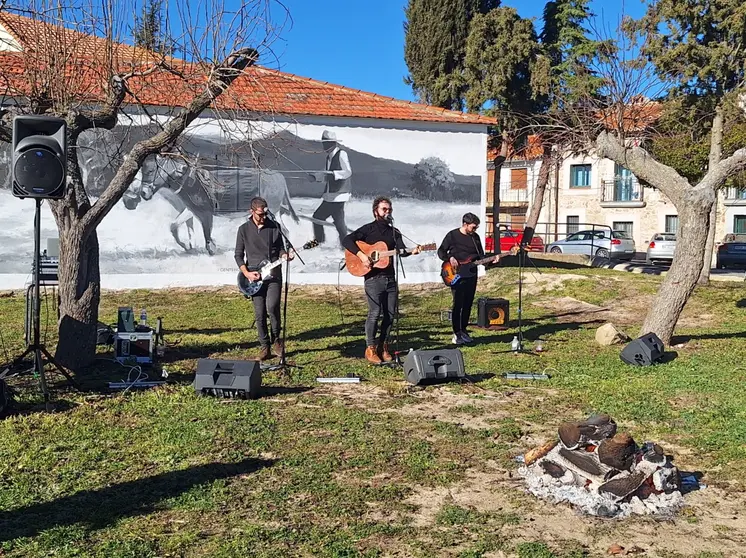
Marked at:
<point>335,210</point>
<point>463,297</point>
<point>267,301</point>
<point>381,294</point>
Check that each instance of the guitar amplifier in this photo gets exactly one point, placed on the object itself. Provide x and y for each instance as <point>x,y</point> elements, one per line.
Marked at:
<point>493,312</point>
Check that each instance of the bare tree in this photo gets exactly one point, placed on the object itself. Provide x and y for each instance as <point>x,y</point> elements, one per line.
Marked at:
<point>619,124</point>
<point>75,63</point>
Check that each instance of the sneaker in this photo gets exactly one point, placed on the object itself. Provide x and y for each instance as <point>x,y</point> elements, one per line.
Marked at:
<point>466,338</point>
<point>456,339</point>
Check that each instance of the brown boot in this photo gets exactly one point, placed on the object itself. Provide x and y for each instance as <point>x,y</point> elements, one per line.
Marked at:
<point>277,349</point>
<point>264,353</point>
<point>383,352</point>
<point>371,355</point>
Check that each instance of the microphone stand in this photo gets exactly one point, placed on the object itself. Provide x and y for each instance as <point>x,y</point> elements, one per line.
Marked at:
<point>283,364</point>
<point>397,263</point>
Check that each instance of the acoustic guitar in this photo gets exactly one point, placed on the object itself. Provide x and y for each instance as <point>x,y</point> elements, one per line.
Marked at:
<point>468,268</point>
<point>379,255</point>
<point>250,288</point>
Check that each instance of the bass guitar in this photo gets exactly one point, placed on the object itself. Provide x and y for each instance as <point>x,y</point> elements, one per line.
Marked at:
<point>468,268</point>
<point>379,255</point>
<point>250,288</point>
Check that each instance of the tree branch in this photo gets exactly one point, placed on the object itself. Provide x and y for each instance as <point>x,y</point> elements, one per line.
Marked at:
<point>643,166</point>
<point>104,117</point>
<point>219,80</point>
<point>726,168</point>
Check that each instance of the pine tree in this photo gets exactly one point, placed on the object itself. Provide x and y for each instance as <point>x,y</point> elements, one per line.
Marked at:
<point>149,29</point>
<point>435,48</point>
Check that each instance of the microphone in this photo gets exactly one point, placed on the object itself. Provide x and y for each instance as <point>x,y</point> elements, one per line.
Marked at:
<point>389,219</point>
<point>269,214</point>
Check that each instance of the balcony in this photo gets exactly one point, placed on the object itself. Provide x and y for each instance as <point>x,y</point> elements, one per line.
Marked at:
<point>622,192</point>
<point>509,196</point>
<point>735,196</point>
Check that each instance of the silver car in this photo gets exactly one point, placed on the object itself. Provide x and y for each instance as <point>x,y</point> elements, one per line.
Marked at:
<point>661,248</point>
<point>599,242</point>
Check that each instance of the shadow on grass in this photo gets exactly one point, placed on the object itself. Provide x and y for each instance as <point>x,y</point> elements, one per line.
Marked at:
<point>101,508</point>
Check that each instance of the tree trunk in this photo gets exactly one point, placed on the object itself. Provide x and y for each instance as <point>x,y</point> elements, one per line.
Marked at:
<point>716,154</point>
<point>704,274</point>
<point>541,187</point>
<point>686,267</point>
<point>80,294</point>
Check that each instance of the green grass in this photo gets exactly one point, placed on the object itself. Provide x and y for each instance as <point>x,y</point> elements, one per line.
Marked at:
<point>310,471</point>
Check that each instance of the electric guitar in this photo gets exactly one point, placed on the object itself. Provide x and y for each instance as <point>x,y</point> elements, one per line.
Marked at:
<point>250,288</point>
<point>379,255</point>
<point>468,268</point>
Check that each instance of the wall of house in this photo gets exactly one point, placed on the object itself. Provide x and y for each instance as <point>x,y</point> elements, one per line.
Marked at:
<point>177,223</point>
<point>585,202</point>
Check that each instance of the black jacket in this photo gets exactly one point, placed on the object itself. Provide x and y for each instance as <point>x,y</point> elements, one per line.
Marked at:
<point>255,245</point>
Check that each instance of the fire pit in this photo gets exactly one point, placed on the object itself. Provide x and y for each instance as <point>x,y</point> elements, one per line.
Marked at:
<point>603,472</point>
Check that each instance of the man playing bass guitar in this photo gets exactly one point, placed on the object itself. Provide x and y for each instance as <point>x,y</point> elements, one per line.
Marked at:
<point>459,247</point>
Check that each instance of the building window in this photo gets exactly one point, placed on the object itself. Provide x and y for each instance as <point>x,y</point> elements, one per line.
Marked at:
<point>739,224</point>
<point>573,224</point>
<point>518,179</point>
<point>672,224</point>
<point>580,176</point>
<point>625,226</point>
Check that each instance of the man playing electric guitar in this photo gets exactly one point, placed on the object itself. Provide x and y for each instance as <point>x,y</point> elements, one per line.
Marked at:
<point>380,283</point>
<point>257,240</point>
<point>463,245</point>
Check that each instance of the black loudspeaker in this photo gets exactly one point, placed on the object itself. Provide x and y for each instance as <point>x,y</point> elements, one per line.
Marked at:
<point>421,367</point>
<point>241,379</point>
<point>643,351</point>
<point>493,312</point>
<point>39,162</point>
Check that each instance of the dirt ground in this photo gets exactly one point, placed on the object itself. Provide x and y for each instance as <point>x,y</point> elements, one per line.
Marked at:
<point>713,521</point>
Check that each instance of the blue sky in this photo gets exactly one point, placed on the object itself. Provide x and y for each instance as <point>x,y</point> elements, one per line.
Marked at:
<point>360,43</point>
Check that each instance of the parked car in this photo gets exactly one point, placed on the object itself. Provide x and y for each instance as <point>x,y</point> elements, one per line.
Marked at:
<point>732,252</point>
<point>599,242</point>
<point>661,248</point>
<point>513,237</point>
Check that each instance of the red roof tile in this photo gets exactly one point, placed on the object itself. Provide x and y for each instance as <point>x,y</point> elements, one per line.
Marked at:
<point>259,89</point>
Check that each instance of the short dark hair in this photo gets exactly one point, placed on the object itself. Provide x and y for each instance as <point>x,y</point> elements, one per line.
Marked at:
<point>470,219</point>
<point>378,200</point>
<point>257,203</point>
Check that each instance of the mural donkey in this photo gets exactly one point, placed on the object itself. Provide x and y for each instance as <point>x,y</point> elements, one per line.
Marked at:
<point>196,192</point>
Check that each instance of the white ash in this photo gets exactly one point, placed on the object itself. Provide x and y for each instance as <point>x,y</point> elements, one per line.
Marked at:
<point>582,492</point>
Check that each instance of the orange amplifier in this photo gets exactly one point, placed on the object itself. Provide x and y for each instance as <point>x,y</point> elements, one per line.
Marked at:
<point>493,313</point>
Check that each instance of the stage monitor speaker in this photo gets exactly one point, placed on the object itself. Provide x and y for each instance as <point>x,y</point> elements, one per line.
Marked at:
<point>432,366</point>
<point>240,379</point>
<point>493,312</point>
<point>643,351</point>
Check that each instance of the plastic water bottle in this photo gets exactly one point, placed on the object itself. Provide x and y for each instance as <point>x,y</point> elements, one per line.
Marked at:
<point>143,317</point>
<point>515,345</point>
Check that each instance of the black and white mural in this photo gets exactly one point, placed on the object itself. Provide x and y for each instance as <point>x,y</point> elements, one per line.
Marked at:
<point>177,223</point>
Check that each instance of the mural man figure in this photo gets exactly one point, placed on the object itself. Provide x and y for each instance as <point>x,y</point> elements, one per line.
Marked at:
<point>380,284</point>
<point>259,239</point>
<point>337,190</point>
<point>461,245</point>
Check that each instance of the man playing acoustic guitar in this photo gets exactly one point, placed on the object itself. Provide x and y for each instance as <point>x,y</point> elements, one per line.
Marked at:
<point>380,283</point>
<point>459,247</point>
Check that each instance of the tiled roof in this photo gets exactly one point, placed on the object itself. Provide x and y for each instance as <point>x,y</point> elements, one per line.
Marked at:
<point>259,90</point>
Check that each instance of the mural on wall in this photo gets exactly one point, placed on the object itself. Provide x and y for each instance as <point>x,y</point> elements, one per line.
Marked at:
<point>182,211</point>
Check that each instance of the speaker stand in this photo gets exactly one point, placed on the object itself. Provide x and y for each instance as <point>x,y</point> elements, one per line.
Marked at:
<point>36,348</point>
